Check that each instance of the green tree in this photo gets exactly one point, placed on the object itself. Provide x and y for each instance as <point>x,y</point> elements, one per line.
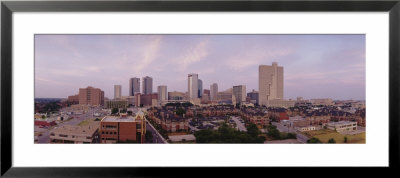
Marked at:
<point>313,140</point>
<point>291,136</point>
<point>252,130</point>
<point>43,117</point>
<point>331,140</point>
<point>129,113</point>
<point>149,136</point>
<point>273,132</point>
<point>180,111</point>
<point>345,139</point>
<point>114,110</point>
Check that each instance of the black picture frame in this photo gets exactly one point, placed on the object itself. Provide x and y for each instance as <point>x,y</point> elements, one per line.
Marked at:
<point>8,7</point>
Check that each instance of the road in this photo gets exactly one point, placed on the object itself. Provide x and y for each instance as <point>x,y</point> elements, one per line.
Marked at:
<point>157,138</point>
<point>283,128</point>
<point>239,125</point>
<point>300,137</point>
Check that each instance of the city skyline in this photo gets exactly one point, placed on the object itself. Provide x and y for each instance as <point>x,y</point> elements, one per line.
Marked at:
<point>316,66</point>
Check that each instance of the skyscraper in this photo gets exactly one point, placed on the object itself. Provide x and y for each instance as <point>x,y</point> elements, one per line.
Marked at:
<point>213,91</point>
<point>193,80</point>
<point>200,88</point>
<point>270,83</point>
<point>117,91</point>
<point>240,93</point>
<point>147,85</point>
<point>134,86</point>
<point>162,93</point>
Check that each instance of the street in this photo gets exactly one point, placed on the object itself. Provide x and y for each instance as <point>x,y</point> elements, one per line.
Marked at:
<point>157,138</point>
<point>300,137</point>
<point>239,125</point>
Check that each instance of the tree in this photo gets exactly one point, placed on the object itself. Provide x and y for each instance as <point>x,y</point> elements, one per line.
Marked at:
<point>129,113</point>
<point>252,130</point>
<point>345,139</point>
<point>114,111</point>
<point>314,140</point>
<point>123,110</point>
<point>331,140</point>
<point>180,111</point>
<point>149,136</point>
<point>291,136</point>
<point>43,117</point>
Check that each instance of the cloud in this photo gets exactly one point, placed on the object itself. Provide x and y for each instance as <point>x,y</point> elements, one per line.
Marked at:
<point>67,72</point>
<point>193,55</point>
<point>255,58</point>
<point>149,54</point>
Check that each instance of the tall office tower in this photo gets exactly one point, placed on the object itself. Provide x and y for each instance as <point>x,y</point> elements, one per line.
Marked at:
<point>162,93</point>
<point>134,86</point>
<point>270,83</point>
<point>147,85</point>
<point>240,93</point>
<point>117,91</point>
<point>200,88</point>
<point>213,91</point>
<point>193,80</point>
<point>91,96</point>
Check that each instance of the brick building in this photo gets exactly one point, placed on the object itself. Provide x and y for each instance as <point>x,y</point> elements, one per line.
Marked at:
<point>123,129</point>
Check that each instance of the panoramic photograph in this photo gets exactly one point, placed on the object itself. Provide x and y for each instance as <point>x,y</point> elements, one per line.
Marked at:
<point>200,89</point>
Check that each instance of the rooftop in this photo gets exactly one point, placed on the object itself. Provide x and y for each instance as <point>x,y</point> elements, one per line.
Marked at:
<point>77,130</point>
<point>341,123</point>
<point>118,119</point>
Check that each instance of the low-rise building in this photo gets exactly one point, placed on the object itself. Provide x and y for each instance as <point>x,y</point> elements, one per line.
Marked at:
<point>342,126</point>
<point>305,129</point>
<point>123,128</point>
<point>76,134</point>
<point>281,103</point>
<point>119,103</point>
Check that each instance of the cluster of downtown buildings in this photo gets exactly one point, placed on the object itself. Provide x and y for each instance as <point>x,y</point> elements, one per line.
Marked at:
<point>209,104</point>
<point>270,92</point>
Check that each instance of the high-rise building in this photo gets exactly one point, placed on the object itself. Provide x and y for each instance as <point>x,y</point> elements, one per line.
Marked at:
<point>117,91</point>
<point>162,93</point>
<point>270,83</point>
<point>213,91</point>
<point>193,80</point>
<point>253,95</point>
<point>147,85</point>
<point>240,93</point>
<point>91,96</point>
<point>200,88</point>
<point>134,86</point>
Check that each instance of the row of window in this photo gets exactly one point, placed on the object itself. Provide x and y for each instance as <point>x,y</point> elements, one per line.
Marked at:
<point>115,133</point>
<point>109,127</point>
